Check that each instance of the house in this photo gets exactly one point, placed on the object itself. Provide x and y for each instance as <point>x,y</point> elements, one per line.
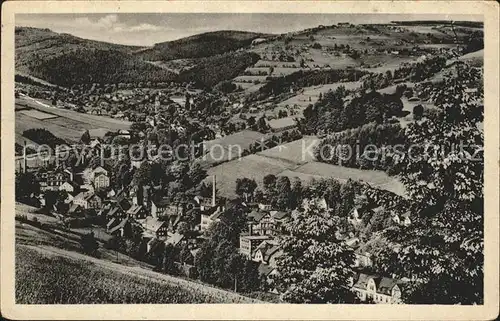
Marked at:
<point>260,223</point>
<point>116,211</point>
<point>123,228</point>
<point>206,203</point>
<point>159,208</point>
<point>154,227</point>
<point>379,289</point>
<point>101,181</point>
<point>74,208</point>
<point>354,217</point>
<point>264,206</point>
<point>248,244</point>
<point>87,200</point>
<point>121,199</point>
<point>278,218</point>
<point>208,217</point>
<point>137,212</point>
<point>69,187</point>
<point>266,251</point>
<point>88,174</point>
<point>95,144</point>
<point>174,239</point>
<point>54,179</point>
<point>362,259</point>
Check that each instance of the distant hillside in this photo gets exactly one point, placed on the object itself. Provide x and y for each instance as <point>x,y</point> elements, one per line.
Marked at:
<point>212,70</point>
<point>197,46</point>
<point>472,24</point>
<point>64,59</point>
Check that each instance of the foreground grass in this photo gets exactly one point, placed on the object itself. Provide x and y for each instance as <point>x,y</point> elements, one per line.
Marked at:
<point>42,279</point>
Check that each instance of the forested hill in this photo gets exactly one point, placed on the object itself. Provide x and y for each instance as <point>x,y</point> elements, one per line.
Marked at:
<point>198,46</point>
<point>63,59</point>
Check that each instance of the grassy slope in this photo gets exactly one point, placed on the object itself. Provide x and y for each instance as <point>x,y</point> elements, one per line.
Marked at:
<point>44,276</point>
<point>50,269</point>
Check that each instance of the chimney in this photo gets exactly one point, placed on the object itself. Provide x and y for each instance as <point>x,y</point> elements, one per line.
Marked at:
<point>213,190</point>
<point>25,167</point>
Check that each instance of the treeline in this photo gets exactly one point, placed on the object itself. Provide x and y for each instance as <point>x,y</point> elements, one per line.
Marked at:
<point>421,70</point>
<point>273,141</point>
<point>198,46</point>
<point>303,78</point>
<point>42,136</point>
<point>83,66</point>
<point>332,113</point>
<point>371,147</point>
<point>212,70</point>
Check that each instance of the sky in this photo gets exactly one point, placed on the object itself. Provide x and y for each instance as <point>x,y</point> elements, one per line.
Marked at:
<point>146,29</point>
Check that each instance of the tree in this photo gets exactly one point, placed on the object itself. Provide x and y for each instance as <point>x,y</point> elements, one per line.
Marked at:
<point>283,193</point>
<point>418,112</point>
<point>116,243</point>
<point>442,250</point>
<point>89,244</point>
<point>183,228</point>
<point>138,126</point>
<point>85,137</point>
<point>245,187</point>
<point>315,266</point>
<point>269,182</point>
<point>26,185</point>
<point>54,198</point>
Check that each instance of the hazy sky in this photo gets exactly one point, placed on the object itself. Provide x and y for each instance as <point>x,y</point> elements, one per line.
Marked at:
<point>145,29</point>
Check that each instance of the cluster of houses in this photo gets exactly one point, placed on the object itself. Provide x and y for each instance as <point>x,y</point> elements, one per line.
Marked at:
<point>159,219</point>
<point>260,244</point>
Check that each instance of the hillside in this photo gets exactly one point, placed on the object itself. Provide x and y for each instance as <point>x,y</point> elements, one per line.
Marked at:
<point>64,60</point>
<point>197,46</point>
<point>49,263</point>
<point>212,70</point>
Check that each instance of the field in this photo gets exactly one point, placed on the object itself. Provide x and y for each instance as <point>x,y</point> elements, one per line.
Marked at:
<point>63,123</point>
<point>287,160</point>
<point>251,166</point>
<point>375,178</point>
<point>37,114</point>
<point>312,92</point>
<point>230,146</point>
<point>293,151</point>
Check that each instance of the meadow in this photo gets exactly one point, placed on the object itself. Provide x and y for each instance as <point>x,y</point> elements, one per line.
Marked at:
<point>46,278</point>
<point>287,160</point>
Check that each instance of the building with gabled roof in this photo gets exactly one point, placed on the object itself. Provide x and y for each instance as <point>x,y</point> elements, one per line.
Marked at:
<point>154,227</point>
<point>379,289</point>
<point>137,212</point>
